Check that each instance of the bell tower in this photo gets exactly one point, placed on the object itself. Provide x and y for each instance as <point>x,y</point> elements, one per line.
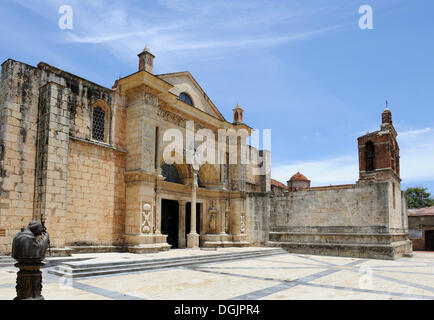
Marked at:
<point>379,152</point>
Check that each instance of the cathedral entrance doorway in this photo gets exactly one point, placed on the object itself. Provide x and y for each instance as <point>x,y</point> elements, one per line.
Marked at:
<point>170,221</point>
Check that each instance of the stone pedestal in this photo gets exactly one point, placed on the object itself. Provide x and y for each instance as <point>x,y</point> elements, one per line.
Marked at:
<point>146,243</point>
<point>192,240</point>
<point>29,279</point>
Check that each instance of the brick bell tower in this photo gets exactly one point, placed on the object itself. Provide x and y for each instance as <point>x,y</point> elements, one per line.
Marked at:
<point>379,152</point>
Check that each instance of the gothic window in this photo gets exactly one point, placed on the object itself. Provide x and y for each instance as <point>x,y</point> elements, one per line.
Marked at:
<point>186,98</point>
<point>370,156</point>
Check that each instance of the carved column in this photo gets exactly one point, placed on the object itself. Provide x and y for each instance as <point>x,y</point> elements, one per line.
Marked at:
<point>193,237</point>
<point>181,231</point>
<point>213,217</point>
<point>29,279</point>
<point>227,220</point>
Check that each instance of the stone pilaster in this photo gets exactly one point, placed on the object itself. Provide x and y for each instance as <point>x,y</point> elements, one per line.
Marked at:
<point>221,219</point>
<point>52,163</point>
<point>239,237</point>
<point>142,175</point>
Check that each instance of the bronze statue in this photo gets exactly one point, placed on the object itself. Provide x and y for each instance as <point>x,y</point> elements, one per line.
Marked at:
<point>29,251</point>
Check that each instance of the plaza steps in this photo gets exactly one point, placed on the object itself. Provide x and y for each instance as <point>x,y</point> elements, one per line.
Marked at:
<point>7,262</point>
<point>80,270</point>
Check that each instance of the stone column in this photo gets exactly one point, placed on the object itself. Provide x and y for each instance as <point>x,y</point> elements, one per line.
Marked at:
<point>235,220</point>
<point>181,231</point>
<point>157,210</point>
<point>193,237</point>
<point>221,219</point>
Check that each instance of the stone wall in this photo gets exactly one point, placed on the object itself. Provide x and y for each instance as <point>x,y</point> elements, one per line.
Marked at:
<point>258,218</point>
<point>360,220</point>
<point>346,206</point>
<point>43,111</point>
<point>96,195</point>
<point>18,130</point>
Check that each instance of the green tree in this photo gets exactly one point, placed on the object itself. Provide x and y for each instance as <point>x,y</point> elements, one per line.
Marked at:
<point>418,197</point>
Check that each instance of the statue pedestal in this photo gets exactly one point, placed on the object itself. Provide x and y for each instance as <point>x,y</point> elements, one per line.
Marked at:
<point>192,240</point>
<point>29,279</point>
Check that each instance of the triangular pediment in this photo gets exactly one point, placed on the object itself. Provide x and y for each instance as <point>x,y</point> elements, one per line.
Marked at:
<point>184,82</point>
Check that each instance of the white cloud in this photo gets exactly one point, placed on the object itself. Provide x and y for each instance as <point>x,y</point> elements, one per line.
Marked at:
<point>417,155</point>
<point>181,30</point>
<point>417,163</point>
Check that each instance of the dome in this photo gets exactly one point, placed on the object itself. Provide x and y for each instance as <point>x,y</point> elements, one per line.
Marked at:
<point>298,177</point>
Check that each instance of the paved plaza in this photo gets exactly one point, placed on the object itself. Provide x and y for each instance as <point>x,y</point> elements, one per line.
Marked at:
<point>283,276</point>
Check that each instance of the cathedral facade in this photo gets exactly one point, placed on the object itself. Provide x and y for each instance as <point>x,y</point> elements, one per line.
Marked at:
<point>89,161</point>
<point>104,170</point>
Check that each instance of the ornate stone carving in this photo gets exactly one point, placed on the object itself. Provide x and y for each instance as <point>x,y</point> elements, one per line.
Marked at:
<point>227,217</point>
<point>212,217</point>
<point>171,117</point>
<point>151,99</point>
<point>146,218</point>
<point>243,223</point>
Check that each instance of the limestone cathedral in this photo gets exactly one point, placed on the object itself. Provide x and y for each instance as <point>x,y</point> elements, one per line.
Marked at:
<point>89,161</point>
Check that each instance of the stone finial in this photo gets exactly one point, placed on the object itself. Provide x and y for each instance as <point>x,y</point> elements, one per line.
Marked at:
<point>146,60</point>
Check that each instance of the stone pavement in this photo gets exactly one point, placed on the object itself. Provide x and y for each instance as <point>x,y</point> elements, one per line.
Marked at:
<point>279,277</point>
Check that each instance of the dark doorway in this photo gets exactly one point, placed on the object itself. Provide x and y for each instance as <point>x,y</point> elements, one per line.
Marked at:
<point>188,218</point>
<point>429,240</point>
<point>170,221</point>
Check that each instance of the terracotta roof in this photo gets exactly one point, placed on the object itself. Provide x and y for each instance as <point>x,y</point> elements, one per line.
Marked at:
<point>421,212</point>
<point>278,184</point>
<point>298,177</point>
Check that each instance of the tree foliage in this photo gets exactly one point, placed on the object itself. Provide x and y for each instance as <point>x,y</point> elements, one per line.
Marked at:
<point>418,197</point>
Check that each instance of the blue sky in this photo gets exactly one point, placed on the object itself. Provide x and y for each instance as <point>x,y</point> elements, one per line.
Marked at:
<point>301,68</point>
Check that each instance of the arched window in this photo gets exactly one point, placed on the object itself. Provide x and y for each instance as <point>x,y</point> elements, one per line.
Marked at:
<point>370,156</point>
<point>101,122</point>
<point>98,125</point>
<point>170,172</point>
<point>186,98</point>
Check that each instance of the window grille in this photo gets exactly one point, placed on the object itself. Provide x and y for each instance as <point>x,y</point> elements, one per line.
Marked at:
<point>98,129</point>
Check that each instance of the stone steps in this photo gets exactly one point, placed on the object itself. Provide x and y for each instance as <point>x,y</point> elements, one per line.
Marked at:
<point>355,250</point>
<point>336,238</point>
<point>80,270</point>
<point>8,262</point>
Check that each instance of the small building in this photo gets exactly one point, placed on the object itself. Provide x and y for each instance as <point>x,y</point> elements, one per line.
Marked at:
<point>421,228</point>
